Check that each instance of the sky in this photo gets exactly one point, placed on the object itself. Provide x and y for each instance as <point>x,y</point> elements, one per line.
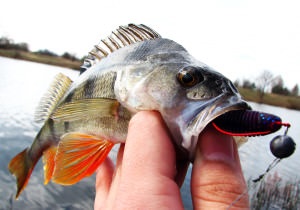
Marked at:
<point>238,38</point>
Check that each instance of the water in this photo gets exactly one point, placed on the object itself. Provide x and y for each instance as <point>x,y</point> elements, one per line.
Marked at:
<point>23,84</point>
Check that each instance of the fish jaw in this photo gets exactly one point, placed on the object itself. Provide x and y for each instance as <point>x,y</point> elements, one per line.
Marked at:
<point>187,126</point>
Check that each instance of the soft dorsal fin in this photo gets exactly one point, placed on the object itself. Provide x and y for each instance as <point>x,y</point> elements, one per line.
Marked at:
<point>56,91</point>
<point>123,36</point>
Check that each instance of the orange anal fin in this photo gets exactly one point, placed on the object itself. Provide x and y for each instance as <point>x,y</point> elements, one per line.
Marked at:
<point>49,163</point>
<point>78,156</point>
<point>21,167</point>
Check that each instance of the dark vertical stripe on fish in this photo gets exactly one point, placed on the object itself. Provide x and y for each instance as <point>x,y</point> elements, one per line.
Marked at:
<point>52,129</point>
<point>69,97</point>
<point>67,126</point>
<point>89,87</point>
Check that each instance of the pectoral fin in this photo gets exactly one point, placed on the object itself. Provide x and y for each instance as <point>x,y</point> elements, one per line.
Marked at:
<point>83,108</point>
<point>78,156</point>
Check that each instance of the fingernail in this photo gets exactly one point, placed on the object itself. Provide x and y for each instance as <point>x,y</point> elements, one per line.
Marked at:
<point>215,146</point>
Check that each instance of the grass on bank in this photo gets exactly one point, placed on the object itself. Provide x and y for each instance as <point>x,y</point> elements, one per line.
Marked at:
<point>46,59</point>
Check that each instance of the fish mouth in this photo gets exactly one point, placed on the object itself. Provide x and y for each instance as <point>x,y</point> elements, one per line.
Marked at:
<point>204,116</point>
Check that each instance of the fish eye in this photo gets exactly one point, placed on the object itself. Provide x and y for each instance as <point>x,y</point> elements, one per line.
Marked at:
<point>189,76</point>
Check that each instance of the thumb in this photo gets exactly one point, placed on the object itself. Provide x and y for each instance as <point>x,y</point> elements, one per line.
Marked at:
<point>148,166</point>
<point>217,178</point>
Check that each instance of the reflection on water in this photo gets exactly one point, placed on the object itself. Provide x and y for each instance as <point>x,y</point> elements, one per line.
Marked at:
<point>22,85</point>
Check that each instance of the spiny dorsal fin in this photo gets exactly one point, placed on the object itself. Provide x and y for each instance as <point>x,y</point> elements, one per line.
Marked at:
<point>56,91</point>
<point>123,36</point>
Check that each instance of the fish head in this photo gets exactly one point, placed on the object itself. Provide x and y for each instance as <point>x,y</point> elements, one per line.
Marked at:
<point>188,93</point>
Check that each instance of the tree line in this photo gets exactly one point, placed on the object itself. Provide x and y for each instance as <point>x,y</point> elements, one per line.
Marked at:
<point>9,44</point>
<point>267,82</point>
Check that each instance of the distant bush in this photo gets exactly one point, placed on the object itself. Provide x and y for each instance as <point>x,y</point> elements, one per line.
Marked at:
<point>46,52</point>
<point>69,56</point>
<point>6,43</point>
<point>248,84</point>
<point>278,87</point>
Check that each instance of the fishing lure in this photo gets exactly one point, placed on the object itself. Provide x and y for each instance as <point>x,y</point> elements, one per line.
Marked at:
<point>253,123</point>
<point>248,123</point>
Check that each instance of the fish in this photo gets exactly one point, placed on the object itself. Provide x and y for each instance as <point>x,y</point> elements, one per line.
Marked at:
<point>133,69</point>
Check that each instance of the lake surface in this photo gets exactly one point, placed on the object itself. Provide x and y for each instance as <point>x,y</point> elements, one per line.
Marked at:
<point>24,83</point>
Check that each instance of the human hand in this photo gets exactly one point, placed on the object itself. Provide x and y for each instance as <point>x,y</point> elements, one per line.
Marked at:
<point>144,175</point>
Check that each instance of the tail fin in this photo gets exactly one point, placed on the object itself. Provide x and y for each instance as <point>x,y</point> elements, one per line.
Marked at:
<point>21,167</point>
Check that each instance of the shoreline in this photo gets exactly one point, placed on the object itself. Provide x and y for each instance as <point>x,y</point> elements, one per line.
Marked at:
<point>289,102</point>
<point>38,58</point>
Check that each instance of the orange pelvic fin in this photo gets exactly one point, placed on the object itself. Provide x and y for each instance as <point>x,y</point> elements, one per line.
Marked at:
<point>21,167</point>
<point>78,156</point>
<point>49,163</point>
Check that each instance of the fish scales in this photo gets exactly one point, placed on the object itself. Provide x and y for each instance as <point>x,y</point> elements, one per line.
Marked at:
<point>133,69</point>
